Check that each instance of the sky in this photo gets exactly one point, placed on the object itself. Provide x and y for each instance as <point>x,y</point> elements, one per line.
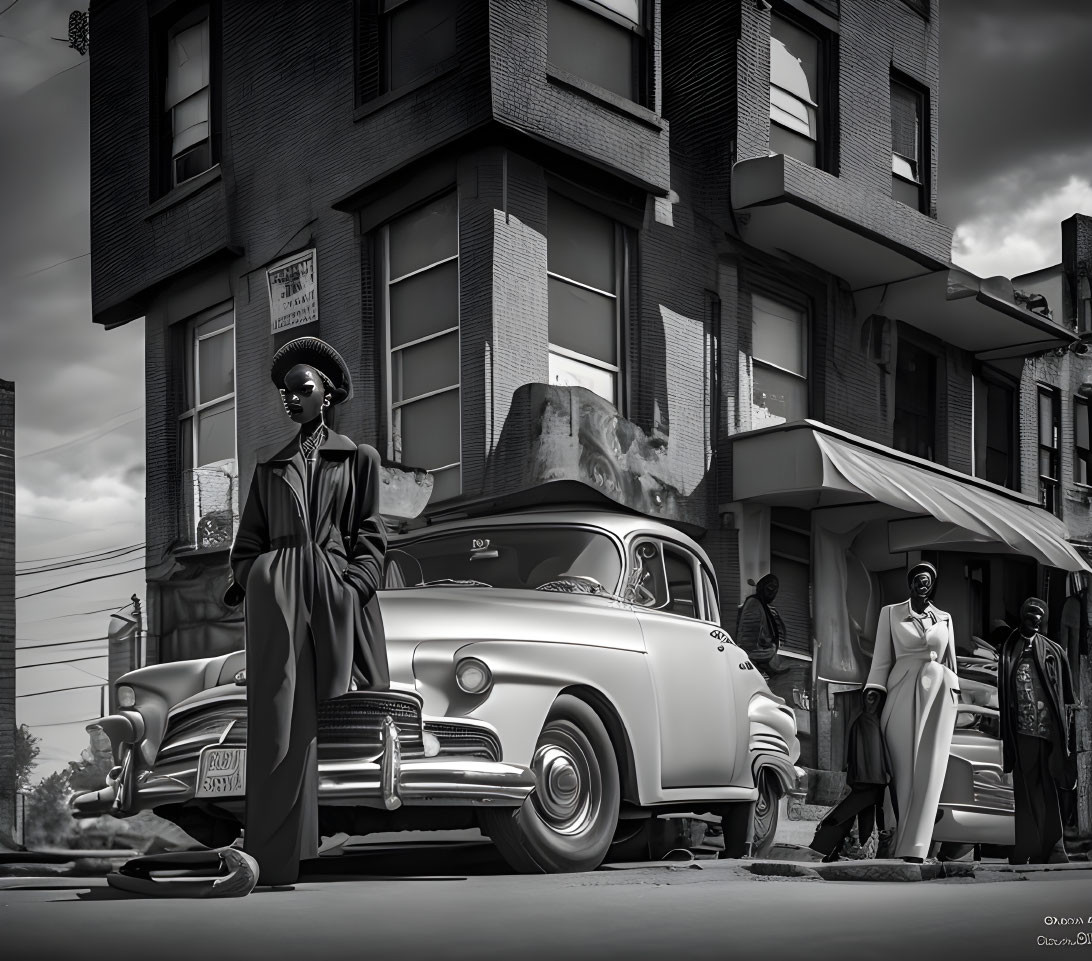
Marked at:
<point>1015,160</point>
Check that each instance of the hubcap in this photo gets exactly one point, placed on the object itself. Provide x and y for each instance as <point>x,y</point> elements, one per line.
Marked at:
<point>568,790</point>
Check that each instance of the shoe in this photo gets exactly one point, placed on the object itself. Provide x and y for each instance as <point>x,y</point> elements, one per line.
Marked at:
<point>221,873</point>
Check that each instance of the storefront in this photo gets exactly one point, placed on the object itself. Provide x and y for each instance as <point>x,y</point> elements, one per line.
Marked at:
<point>873,512</point>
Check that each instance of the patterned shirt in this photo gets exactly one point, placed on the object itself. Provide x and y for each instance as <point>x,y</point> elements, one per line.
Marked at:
<point>1032,709</point>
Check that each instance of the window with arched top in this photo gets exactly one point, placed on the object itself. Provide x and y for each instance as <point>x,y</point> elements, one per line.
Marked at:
<point>797,86</point>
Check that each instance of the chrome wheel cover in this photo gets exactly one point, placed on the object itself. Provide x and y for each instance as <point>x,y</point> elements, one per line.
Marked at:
<point>569,790</point>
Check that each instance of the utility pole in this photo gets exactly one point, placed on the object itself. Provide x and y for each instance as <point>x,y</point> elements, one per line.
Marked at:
<point>138,657</point>
<point>7,613</point>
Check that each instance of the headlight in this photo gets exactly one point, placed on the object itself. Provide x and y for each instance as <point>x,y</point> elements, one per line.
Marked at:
<point>473,676</point>
<point>126,696</point>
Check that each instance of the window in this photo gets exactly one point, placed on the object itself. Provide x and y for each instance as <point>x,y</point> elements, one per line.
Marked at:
<point>601,41</point>
<point>1084,310</point>
<point>995,443</point>
<point>908,174</point>
<point>712,605</point>
<point>1082,467</point>
<point>796,82</point>
<point>186,128</point>
<point>400,42</point>
<point>207,428</point>
<point>1049,442</point>
<point>915,401</point>
<point>584,267</point>
<point>669,582</point>
<point>790,560</point>
<point>422,330</point>
<point>779,347</point>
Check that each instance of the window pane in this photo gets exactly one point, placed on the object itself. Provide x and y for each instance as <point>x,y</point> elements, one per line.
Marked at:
<point>794,59</point>
<point>192,162</point>
<point>591,47</point>
<point>778,334</point>
<point>425,304</point>
<point>425,367</point>
<point>445,484</point>
<point>905,192</point>
<point>904,168</point>
<point>712,611</point>
<point>905,121</point>
<point>583,321</point>
<point>424,236</point>
<point>428,431</point>
<point>630,9</point>
<point>190,121</point>
<point>777,397</point>
<point>422,35</point>
<point>1046,463</point>
<point>792,145</point>
<point>580,244</point>
<point>1080,426</point>
<point>566,372</point>
<point>792,112</point>
<point>216,434</point>
<point>1046,420</point>
<point>187,63</point>
<point>216,362</point>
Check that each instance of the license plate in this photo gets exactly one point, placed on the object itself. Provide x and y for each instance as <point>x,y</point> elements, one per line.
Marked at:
<point>221,772</point>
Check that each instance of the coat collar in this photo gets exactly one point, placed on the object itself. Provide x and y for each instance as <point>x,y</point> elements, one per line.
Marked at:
<point>907,613</point>
<point>335,445</point>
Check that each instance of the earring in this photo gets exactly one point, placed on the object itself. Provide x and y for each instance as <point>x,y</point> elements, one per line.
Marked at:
<point>326,402</point>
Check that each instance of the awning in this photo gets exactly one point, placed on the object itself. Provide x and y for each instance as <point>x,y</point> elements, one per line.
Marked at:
<point>810,464</point>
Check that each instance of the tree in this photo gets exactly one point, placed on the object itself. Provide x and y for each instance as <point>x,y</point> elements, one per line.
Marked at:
<point>26,754</point>
<point>49,822</point>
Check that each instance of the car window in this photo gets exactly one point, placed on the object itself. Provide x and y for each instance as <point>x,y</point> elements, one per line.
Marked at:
<point>512,557</point>
<point>682,596</point>
<point>712,607</point>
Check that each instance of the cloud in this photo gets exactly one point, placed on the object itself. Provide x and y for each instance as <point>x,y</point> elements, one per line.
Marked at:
<point>1023,237</point>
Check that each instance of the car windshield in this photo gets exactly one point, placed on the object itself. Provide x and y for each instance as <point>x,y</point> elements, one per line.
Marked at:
<point>519,557</point>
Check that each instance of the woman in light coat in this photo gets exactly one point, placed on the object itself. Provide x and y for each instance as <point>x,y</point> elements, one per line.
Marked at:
<point>914,676</point>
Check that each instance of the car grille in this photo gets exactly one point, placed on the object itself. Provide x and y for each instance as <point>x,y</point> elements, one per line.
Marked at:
<point>188,732</point>
<point>462,740</point>
<point>350,726</point>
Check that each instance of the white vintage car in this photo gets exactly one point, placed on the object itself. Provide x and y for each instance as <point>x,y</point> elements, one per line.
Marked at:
<point>560,676</point>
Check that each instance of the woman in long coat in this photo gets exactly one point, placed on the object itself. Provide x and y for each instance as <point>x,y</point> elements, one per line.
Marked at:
<point>309,557</point>
<point>914,673</point>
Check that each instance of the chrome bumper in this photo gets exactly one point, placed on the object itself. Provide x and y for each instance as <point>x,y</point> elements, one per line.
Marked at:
<point>386,782</point>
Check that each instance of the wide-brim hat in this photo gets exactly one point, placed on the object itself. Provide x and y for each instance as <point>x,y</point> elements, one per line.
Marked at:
<point>319,355</point>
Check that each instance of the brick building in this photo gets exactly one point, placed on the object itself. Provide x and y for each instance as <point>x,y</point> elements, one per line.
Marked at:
<point>702,232</point>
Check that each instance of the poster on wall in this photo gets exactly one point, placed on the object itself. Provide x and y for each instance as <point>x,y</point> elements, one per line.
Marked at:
<point>293,291</point>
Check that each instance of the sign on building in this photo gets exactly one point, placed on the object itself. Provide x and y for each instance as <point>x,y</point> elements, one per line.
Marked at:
<point>293,291</point>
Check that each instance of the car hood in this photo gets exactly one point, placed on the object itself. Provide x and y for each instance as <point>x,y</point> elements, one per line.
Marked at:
<point>412,616</point>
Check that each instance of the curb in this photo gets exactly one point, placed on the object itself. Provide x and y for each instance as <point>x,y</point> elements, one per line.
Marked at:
<point>901,871</point>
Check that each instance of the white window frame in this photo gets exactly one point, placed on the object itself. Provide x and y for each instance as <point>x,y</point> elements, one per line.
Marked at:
<point>621,274</point>
<point>192,415</point>
<point>394,436</point>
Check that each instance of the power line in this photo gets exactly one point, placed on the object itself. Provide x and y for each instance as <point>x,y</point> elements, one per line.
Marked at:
<point>50,569</point>
<point>81,439</point>
<point>86,580</point>
<point>60,263</point>
<point>59,690</point>
<point>90,657</point>
<point>35,647</point>
<point>8,7</point>
<point>68,557</point>
<point>79,720</point>
<point>120,606</point>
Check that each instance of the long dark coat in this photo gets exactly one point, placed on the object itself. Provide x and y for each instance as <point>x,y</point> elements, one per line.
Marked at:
<point>309,558</point>
<point>1054,671</point>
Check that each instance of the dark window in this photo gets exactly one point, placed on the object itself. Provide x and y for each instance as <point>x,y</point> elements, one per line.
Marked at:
<point>681,590</point>
<point>602,42</point>
<point>790,560</point>
<point>915,401</point>
<point>1082,467</point>
<point>184,95</point>
<point>1049,443</point>
<point>584,267</point>
<point>421,266</point>
<point>908,168</point>
<point>798,91</point>
<point>712,604</point>
<point>995,442</point>
<point>401,41</point>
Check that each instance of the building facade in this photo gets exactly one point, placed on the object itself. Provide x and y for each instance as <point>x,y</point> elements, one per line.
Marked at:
<point>700,238</point>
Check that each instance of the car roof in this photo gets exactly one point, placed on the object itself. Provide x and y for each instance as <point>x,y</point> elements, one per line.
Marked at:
<point>619,523</point>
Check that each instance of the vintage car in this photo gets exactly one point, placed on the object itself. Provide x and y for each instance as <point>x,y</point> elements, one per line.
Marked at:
<point>560,676</point>
<point>976,802</point>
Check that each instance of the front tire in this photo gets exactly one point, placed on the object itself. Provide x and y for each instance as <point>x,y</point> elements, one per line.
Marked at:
<point>569,821</point>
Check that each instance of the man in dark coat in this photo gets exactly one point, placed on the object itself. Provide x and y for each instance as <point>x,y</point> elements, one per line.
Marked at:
<point>759,628</point>
<point>1034,690</point>
<point>308,557</point>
